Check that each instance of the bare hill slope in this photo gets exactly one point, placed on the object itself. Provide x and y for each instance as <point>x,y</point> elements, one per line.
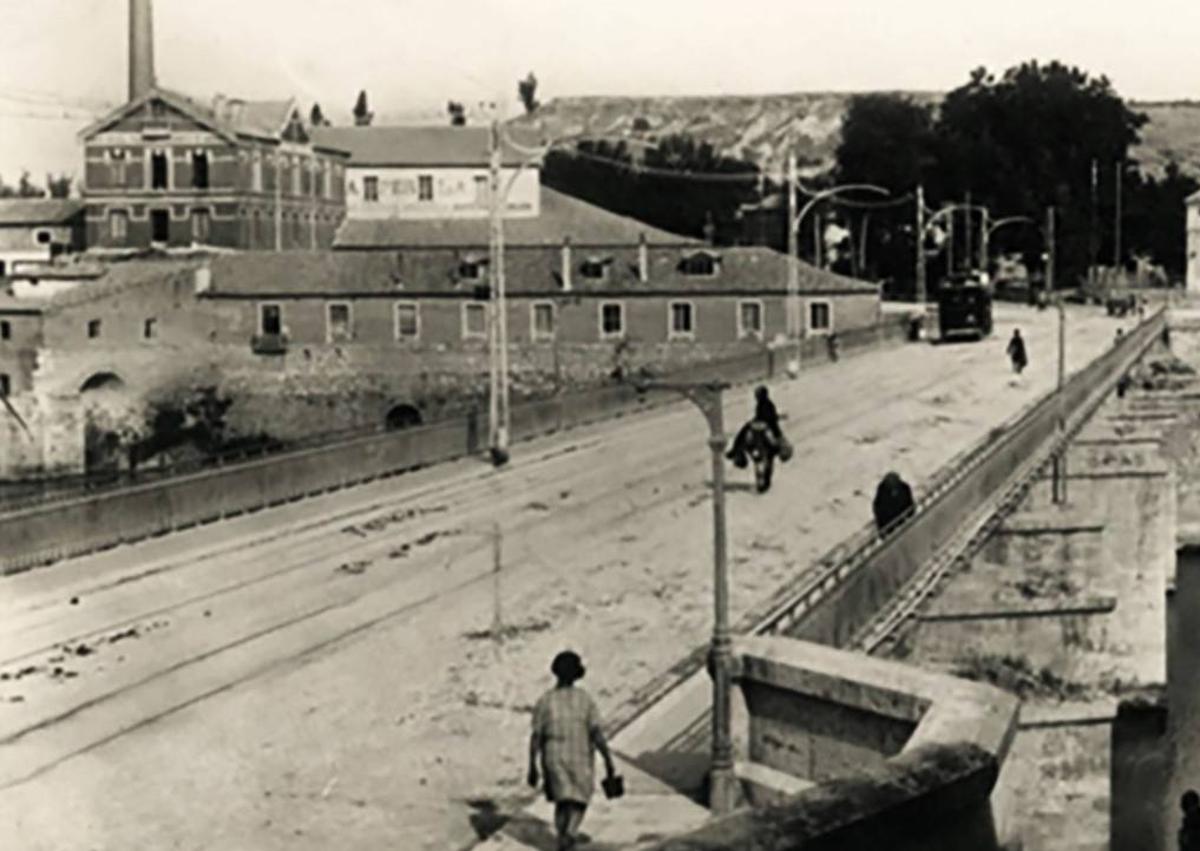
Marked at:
<point>756,127</point>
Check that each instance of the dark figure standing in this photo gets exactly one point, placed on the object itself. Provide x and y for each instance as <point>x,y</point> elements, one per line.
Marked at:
<point>1189,832</point>
<point>893,502</point>
<point>1016,352</point>
<point>832,342</point>
<point>566,735</point>
<point>765,413</point>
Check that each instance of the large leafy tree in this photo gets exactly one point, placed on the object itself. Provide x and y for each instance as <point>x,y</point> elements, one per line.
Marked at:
<point>1026,141</point>
<point>887,140</point>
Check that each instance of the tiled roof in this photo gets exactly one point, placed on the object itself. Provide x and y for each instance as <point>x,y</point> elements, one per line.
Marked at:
<point>37,211</point>
<point>123,276</point>
<point>418,146</point>
<point>230,116</point>
<point>560,216</point>
<point>530,270</point>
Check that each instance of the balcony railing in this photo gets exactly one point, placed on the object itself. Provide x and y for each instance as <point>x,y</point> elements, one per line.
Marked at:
<point>269,344</point>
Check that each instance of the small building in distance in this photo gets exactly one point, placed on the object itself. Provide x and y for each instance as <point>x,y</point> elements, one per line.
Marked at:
<point>429,172</point>
<point>33,231</point>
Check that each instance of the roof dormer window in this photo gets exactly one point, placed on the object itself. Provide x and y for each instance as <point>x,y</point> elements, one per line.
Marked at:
<point>471,267</point>
<point>595,268</point>
<point>701,264</point>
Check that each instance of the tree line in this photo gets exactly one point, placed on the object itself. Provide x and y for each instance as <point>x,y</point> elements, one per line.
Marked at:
<point>1034,137</point>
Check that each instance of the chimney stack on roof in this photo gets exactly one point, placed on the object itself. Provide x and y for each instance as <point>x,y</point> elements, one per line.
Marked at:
<point>141,48</point>
<point>643,258</point>
<point>566,264</point>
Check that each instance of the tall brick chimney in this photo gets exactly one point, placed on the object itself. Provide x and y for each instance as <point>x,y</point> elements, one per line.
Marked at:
<point>141,48</point>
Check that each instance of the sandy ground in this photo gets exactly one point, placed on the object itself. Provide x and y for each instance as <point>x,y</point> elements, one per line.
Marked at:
<point>336,685</point>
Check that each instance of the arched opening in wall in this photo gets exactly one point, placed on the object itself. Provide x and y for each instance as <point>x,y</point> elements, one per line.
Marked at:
<point>102,381</point>
<point>108,413</point>
<point>402,416</point>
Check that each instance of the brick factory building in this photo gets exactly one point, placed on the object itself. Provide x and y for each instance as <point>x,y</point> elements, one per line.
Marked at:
<point>166,169</point>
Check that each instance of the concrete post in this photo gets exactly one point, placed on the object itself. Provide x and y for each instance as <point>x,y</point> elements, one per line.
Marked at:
<point>1183,670</point>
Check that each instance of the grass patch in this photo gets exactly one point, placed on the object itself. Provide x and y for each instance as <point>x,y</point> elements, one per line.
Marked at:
<point>1015,674</point>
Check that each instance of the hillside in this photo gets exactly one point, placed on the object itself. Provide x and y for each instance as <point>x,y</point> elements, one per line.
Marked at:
<point>757,127</point>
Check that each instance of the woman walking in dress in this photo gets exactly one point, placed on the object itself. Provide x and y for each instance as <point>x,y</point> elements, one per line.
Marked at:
<point>566,735</point>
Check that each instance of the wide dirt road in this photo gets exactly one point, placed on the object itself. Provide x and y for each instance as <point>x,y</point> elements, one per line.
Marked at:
<point>322,676</point>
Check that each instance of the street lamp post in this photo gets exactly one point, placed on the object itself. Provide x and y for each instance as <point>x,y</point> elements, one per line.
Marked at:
<point>795,320</point>
<point>723,789</point>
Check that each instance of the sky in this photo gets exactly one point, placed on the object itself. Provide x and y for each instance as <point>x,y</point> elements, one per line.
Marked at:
<point>64,60</point>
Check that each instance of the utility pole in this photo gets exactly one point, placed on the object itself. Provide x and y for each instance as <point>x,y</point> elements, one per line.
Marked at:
<point>967,233</point>
<point>1059,462</point>
<point>920,244</point>
<point>793,278</point>
<point>278,201</point>
<point>314,185</point>
<point>984,234</point>
<point>498,330</point>
<point>497,614</point>
<point>950,244</point>
<point>1117,225</point>
<point>1093,240</point>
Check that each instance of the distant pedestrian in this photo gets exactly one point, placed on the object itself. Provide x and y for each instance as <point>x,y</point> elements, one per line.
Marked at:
<point>566,735</point>
<point>1016,352</point>
<point>1189,832</point>
<point>832,342</point>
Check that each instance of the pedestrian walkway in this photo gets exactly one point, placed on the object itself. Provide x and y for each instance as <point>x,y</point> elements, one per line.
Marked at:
<point>649,812</point>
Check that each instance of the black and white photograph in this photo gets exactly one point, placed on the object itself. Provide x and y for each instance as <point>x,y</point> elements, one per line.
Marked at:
<point>626,426</point>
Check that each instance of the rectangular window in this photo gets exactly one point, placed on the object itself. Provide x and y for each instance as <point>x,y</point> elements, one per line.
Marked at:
<point>612,319</point>
<point>543,321</point>
<point>474,321</point>
<point>820,316</point>
<point>93,329</point>
<point>118,224</point>
<point>118,161</point>
<point>159,166</point>
<point>408,321</point>
<point>256,172</point>
<point>5,385</point>
<point>160,225</point>
<point>297,166</point>
<point>199,170</point>
<point>201,225</point>
<point>370,188</point>
<point>150,329</point>
<point>750,319</point>
<point>425,187</point>
<point>5,330</point>
<point>270,319</point>
<point>338,325</point>
<point>682,320</point>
